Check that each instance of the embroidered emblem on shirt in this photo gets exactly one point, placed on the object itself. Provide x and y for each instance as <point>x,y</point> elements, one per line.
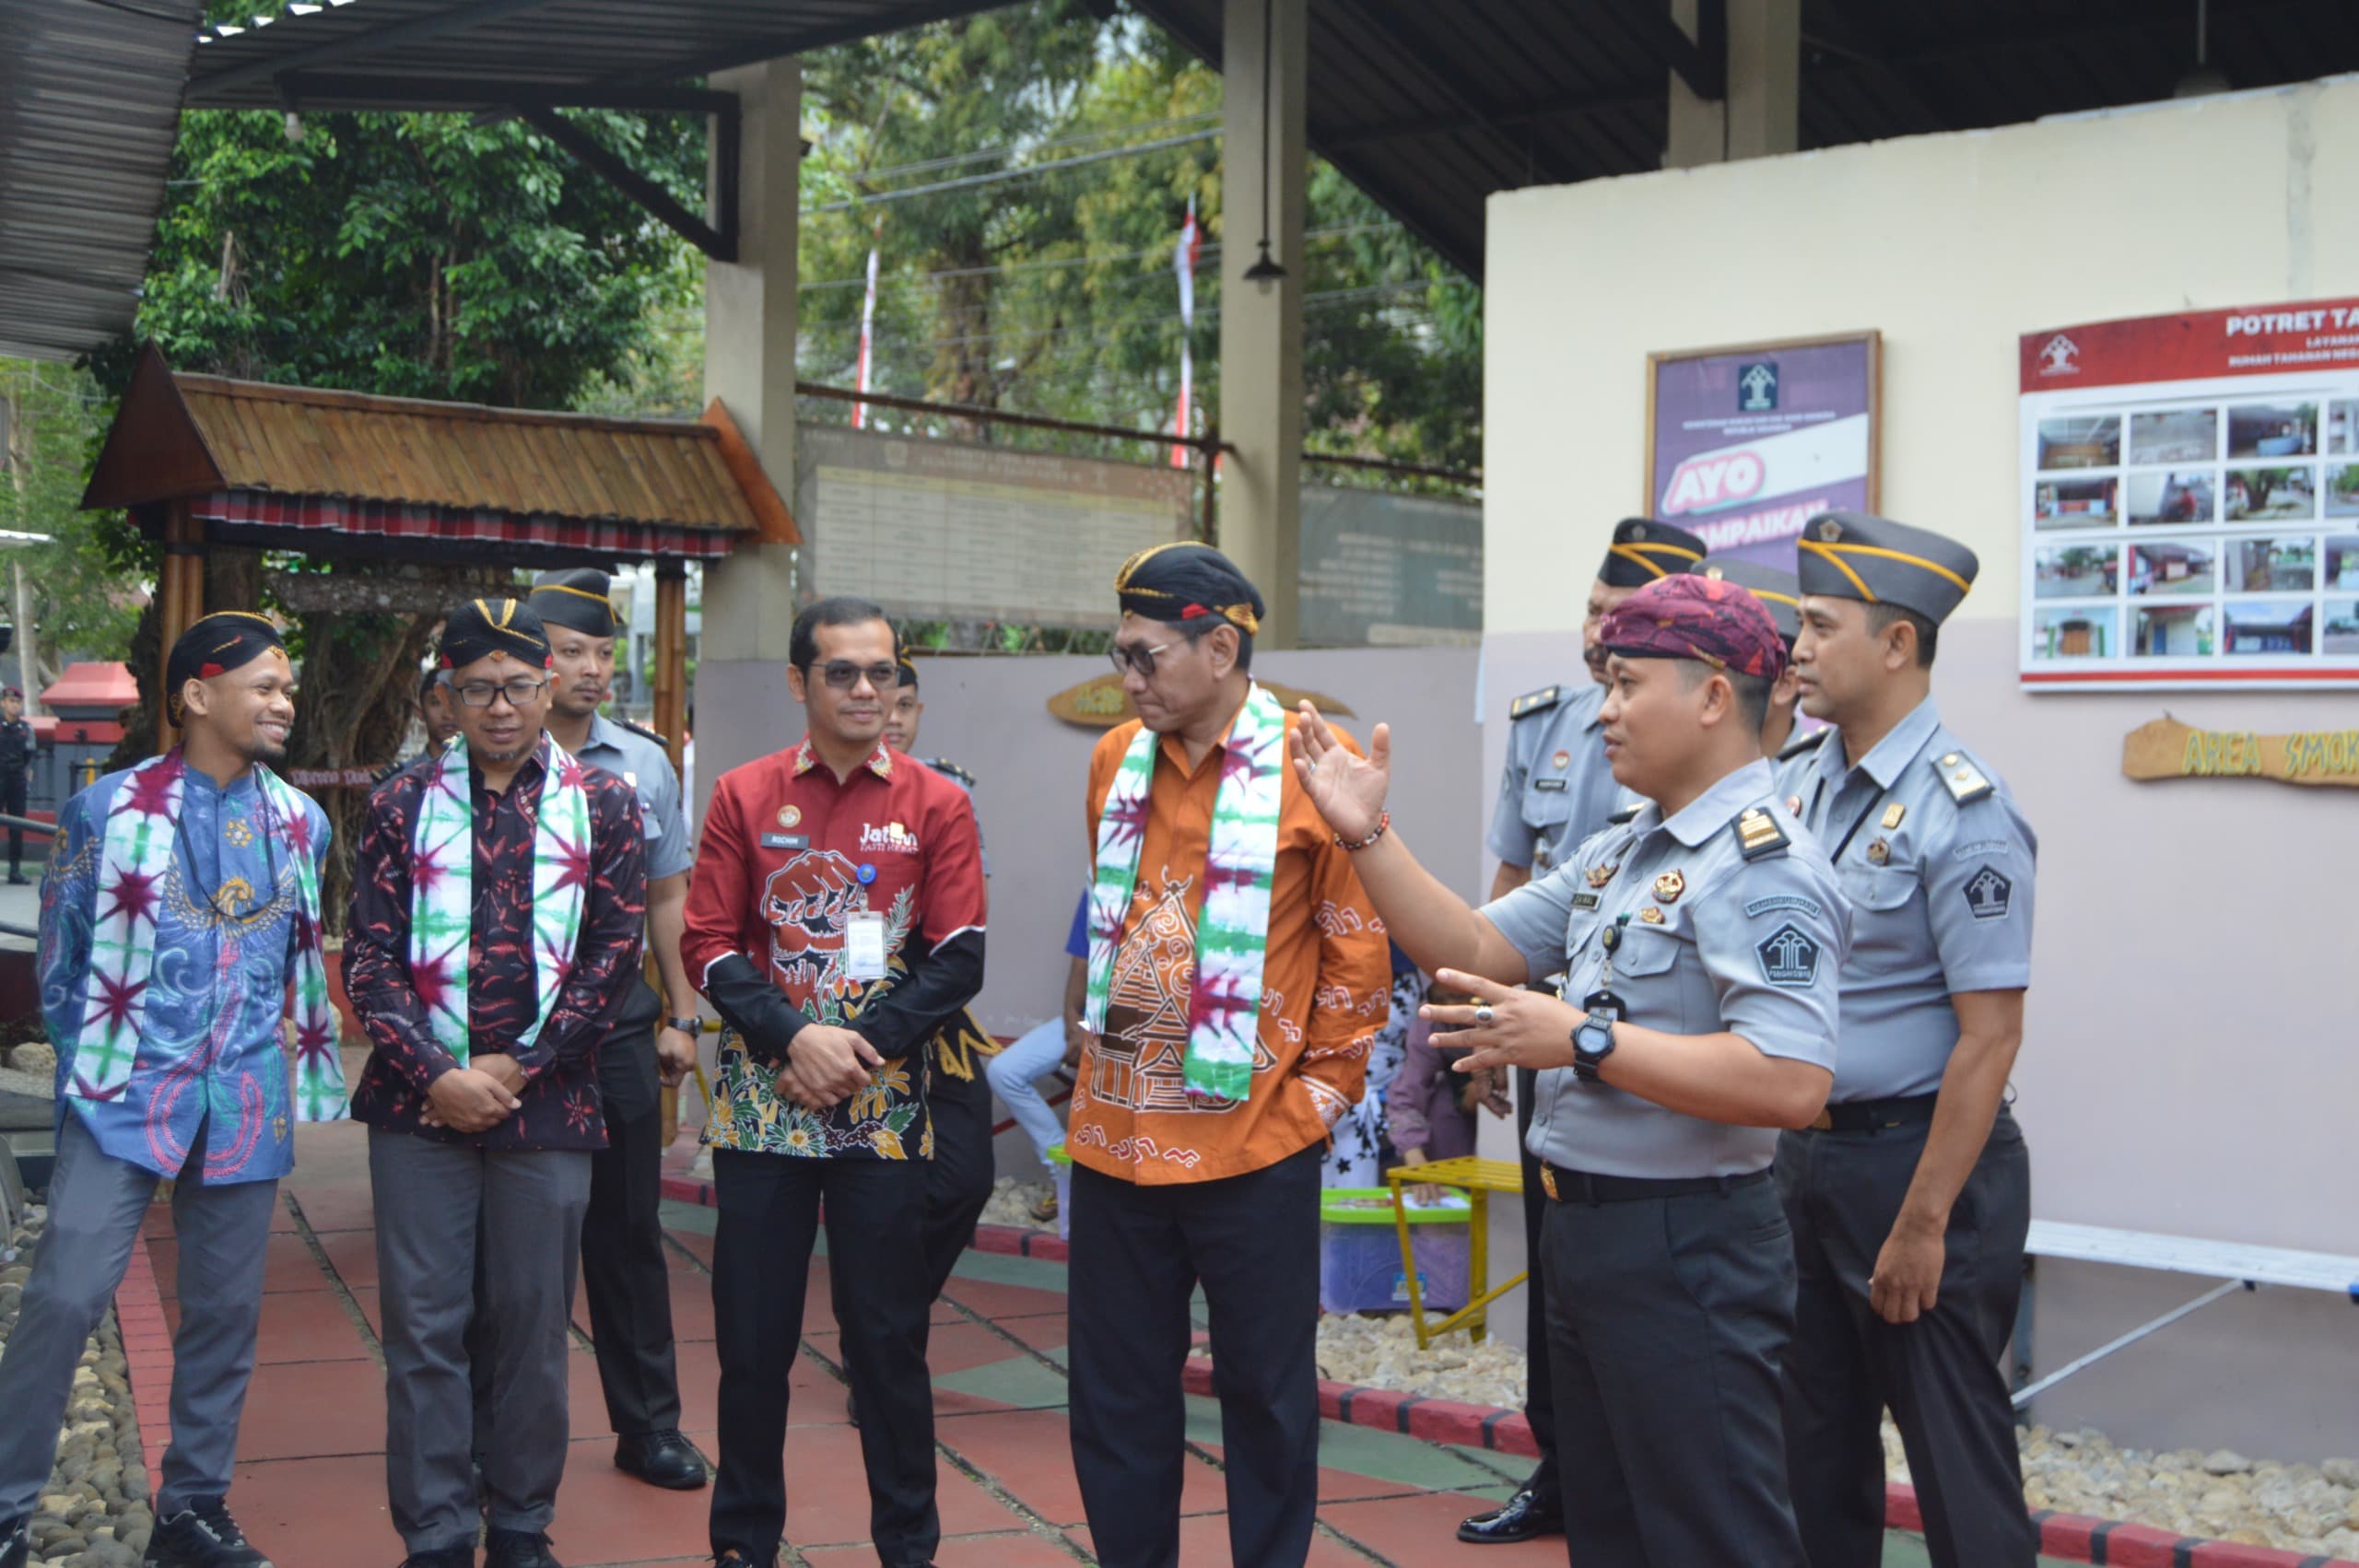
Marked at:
<point>1988,894</point>
<point>1761,907</point>
<point>1788,958</point>
<point>892,835</point>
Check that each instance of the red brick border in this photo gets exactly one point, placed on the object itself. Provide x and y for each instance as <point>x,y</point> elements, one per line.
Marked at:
<point>148,1352</point>
<point>2068,1536</point>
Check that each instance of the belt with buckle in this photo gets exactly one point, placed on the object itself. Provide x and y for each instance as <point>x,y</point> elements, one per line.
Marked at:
<point>1876,1115</point>
<point>1581,1187</point>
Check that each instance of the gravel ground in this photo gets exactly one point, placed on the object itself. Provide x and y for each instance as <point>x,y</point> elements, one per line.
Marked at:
<point>2223,1496</point>
<point>96,1512</point>
<point>1011,1204</point>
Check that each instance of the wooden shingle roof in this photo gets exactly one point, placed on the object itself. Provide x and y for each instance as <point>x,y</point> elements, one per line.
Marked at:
<point>182,436</point>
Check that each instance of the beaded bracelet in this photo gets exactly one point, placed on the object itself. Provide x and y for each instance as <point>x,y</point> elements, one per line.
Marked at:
<point>1382,823</point>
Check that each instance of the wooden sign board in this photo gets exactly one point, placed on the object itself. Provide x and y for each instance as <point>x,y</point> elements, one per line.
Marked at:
<point>2168,749</point>
<point>1100,703</point>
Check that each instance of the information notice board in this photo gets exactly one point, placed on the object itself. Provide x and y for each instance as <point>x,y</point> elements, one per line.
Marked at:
<point>2190,499</point>
<point>941,530</point>
<point>1383,569</point>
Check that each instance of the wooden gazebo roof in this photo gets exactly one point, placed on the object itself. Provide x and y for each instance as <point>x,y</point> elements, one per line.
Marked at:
<point>311,469</point>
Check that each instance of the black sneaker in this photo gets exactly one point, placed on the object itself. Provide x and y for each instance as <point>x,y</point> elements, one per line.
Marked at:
<point>201,1535</point>
<point>518,1549</point>
<point>17,1543</point>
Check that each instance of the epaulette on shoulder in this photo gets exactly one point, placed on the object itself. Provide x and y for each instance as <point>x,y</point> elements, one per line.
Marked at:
<point>1539,701</point>
<point>637,729</point>
<point>951,771</point>
<point>1757,834</point>
<point>1962,779</point>
<point>1802,743</point>
<point>1626,815</point>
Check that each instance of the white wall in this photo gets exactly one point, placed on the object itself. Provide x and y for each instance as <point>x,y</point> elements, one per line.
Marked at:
<point>2189,1065</point>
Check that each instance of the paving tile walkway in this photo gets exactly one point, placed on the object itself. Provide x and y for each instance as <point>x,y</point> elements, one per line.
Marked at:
<point>311,1475</point>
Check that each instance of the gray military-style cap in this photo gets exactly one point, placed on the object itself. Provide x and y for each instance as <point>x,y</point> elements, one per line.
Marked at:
<point>1878,561</point>
<point>1779,593</point>
<point>1644,551</point>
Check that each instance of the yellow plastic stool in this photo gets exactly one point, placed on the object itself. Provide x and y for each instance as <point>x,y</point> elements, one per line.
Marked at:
<point>1478,1178</point>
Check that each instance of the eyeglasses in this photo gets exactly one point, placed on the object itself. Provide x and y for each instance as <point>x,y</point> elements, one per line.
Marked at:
<point>843,675</point>
<point>479,693</point>
<point>1139,659</point>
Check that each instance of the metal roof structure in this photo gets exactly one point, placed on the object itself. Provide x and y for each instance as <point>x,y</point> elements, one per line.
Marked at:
<point>1431,109</point>
<point>89,99</point>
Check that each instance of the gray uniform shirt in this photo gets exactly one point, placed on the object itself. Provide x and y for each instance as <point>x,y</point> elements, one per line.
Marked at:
<point>1938,864</point>
<point>640,762</point>
<point>1556,789</point>
<point>1746,946</point>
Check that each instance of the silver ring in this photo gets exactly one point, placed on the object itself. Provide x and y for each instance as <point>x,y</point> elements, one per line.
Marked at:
<point>1483,1016</point>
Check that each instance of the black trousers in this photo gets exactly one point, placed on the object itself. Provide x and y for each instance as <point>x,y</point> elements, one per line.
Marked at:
<point>769,1216</point>
<point>626,1283</point>
<point>959,1177</point>
<point>1667,1318</point>
<point>12,801</point>
<point>1538,1394</point>
<point>1940,1376</point>
<point>1138,1255</point>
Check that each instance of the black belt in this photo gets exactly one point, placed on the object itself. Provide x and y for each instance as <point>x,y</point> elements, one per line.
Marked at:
<point>1581,1187</point>
<point>1876,1115</point>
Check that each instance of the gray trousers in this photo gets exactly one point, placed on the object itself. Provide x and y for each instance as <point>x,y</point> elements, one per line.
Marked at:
<point>435,1204</point>
<point>1666,1320</point>
<point>96,1204</point>
<point>1940,1375</point>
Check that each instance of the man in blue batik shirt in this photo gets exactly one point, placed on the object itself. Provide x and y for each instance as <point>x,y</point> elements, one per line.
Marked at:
<point>181,899</point>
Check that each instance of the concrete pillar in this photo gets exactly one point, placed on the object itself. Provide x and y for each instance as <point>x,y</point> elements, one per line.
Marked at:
<point>749,315</point>
<point>1260,324</point>
<point>1761,113</point>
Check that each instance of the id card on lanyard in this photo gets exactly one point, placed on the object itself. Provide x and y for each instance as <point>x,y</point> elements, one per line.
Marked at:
<point>865,953</point>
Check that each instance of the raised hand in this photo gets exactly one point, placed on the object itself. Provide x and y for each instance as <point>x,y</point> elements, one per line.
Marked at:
<point>1348,791</point>
<point>1507,1026</point>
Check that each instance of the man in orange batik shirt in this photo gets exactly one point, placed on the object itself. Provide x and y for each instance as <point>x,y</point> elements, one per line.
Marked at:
<point>1237,978</point>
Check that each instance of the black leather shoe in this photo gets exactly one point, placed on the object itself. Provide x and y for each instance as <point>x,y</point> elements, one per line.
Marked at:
<point>202,1535</point>
<point>17,1543</point>
<point>518,1549</point>
<point>443,1557</point>
<point>1525,1516</point>
<point>661,1459</point>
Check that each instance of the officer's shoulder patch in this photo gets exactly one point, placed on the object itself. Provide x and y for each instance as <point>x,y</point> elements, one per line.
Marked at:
<point>1757,834</point>
<point>641,730</point>
<point>1801,744</point>
<point>1964,781</point>
<point>951,771</point>
<point>1539,701</point>
<point>1628,814</point>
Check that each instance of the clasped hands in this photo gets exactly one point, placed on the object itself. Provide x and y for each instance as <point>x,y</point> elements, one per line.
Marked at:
<point>826,1066</point>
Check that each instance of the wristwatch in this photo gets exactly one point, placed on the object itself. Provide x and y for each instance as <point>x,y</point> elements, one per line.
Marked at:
<point>1593,1043</point>
<point>685,1025</point>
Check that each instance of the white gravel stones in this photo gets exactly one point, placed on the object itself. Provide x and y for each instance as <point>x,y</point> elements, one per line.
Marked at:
<point>1011,1204</point>
<point>95,1513</point>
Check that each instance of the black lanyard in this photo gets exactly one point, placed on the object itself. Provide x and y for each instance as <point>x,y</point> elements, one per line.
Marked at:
<point>1858,822</point>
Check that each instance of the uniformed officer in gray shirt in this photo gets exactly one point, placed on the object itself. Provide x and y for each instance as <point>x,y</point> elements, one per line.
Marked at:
<point>626,1279</point>
<point>1555,791</point>
<point>1700,944</point>
<point>1911,1196</point>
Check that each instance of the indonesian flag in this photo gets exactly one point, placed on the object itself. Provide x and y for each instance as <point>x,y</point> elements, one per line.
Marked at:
<point>867,327</point>
<point>1184,256</point>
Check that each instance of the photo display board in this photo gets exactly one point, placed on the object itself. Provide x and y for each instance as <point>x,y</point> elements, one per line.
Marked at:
<point>1746,444</point>
<point>2190,499</point>
<point>951,531</point>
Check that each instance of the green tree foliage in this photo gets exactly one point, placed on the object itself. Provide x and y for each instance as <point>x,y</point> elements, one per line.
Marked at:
<point>1053,292</point>
<point>84,585</point>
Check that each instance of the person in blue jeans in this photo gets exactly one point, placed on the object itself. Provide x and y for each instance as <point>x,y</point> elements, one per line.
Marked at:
<point>1041,1050</point>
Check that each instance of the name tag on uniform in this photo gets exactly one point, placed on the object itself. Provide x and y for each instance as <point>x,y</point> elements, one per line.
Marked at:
<point>864,946</point>
<point>1547,783</point>
<point>786,841</point>
<point>1584,900</point>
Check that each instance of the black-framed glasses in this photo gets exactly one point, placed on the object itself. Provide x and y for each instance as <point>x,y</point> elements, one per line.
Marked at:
<point>843,675</point>
<point>483,694</point>
<point>1136,658</point>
